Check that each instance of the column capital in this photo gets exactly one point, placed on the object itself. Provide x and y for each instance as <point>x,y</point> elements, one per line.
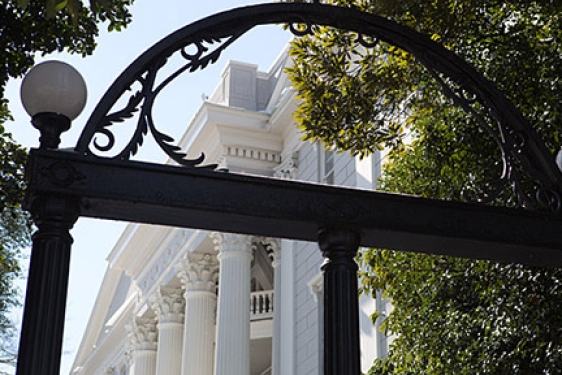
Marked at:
<point>339,247</point>
<point>199,272</point>
<point>232,244</point>
<point>169,305</point>
<point>143,334</point>
<point>273,248</point>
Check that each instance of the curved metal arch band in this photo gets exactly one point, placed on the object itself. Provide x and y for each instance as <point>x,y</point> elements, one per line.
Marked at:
<point>517,140</point>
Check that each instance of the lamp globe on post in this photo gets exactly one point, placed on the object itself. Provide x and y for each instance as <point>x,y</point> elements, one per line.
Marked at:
<point>53,93</point>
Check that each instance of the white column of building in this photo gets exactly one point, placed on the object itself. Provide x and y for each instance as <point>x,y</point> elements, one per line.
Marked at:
<point>232,355</point>
<point>169,306</point>
<point>273,247</point>
<point>283,339</point>
<point>199,273</point>
<point>143,337</point>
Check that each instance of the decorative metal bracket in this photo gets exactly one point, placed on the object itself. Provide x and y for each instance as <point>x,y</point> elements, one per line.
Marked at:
<point>521,148</point>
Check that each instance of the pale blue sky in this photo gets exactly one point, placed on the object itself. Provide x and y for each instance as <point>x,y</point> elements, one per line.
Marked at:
<point>152,20</point>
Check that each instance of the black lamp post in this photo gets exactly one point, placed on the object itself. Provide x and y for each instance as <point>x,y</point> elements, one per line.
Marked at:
<point>53,93</point>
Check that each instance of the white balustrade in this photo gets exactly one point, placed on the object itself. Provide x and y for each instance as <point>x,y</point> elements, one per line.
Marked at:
<point>261,305</point>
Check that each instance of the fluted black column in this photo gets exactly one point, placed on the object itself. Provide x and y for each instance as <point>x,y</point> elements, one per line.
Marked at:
<point>341,302</point>
<point>45,301</point>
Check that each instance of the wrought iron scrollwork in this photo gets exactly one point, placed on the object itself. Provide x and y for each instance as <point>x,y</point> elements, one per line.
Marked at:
<point>367,41</point>
<point>301,28</point>
<point>521,149</point>
<point>513,145</point>
<point>141,102</point>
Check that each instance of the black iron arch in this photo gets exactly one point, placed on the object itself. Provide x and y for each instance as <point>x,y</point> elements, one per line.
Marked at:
<point>202,42</point>
<point>63,186</point>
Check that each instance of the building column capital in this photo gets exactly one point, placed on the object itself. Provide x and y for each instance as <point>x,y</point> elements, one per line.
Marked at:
<point>169,305</point>
<point>143,335</point>
<point>232,245</point>
<point>199,272</point>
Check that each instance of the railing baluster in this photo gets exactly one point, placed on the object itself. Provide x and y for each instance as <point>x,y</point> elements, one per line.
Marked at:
<point>261,304</point>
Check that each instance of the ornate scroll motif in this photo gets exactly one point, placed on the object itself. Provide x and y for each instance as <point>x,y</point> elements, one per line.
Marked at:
<point>198,53</point>
<point>288,168</point>
<point>62,174</point>
<point>302,28</point>
<point>273,248</point>
<point>514,144</point>
<point>199,272</point>
<point>367,41</point>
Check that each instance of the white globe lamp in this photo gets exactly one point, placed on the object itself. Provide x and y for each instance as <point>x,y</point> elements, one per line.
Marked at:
<point>53,93</point>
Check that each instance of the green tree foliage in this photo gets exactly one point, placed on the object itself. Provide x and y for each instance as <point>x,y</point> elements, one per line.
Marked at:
<point>451,316</point>
<point>15,229</point>
<point>28,28</point>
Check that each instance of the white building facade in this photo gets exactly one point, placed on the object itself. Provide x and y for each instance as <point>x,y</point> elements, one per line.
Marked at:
<point>180,301</point>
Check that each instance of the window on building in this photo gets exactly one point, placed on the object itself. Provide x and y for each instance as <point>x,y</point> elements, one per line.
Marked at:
<point>329,167</point>
<point>326,163</point>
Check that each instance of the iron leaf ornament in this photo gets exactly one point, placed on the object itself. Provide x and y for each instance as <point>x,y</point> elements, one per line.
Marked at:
<point>141,102</point>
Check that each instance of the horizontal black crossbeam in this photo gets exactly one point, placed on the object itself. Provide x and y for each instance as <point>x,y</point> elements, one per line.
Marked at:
<point>221,201</point>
